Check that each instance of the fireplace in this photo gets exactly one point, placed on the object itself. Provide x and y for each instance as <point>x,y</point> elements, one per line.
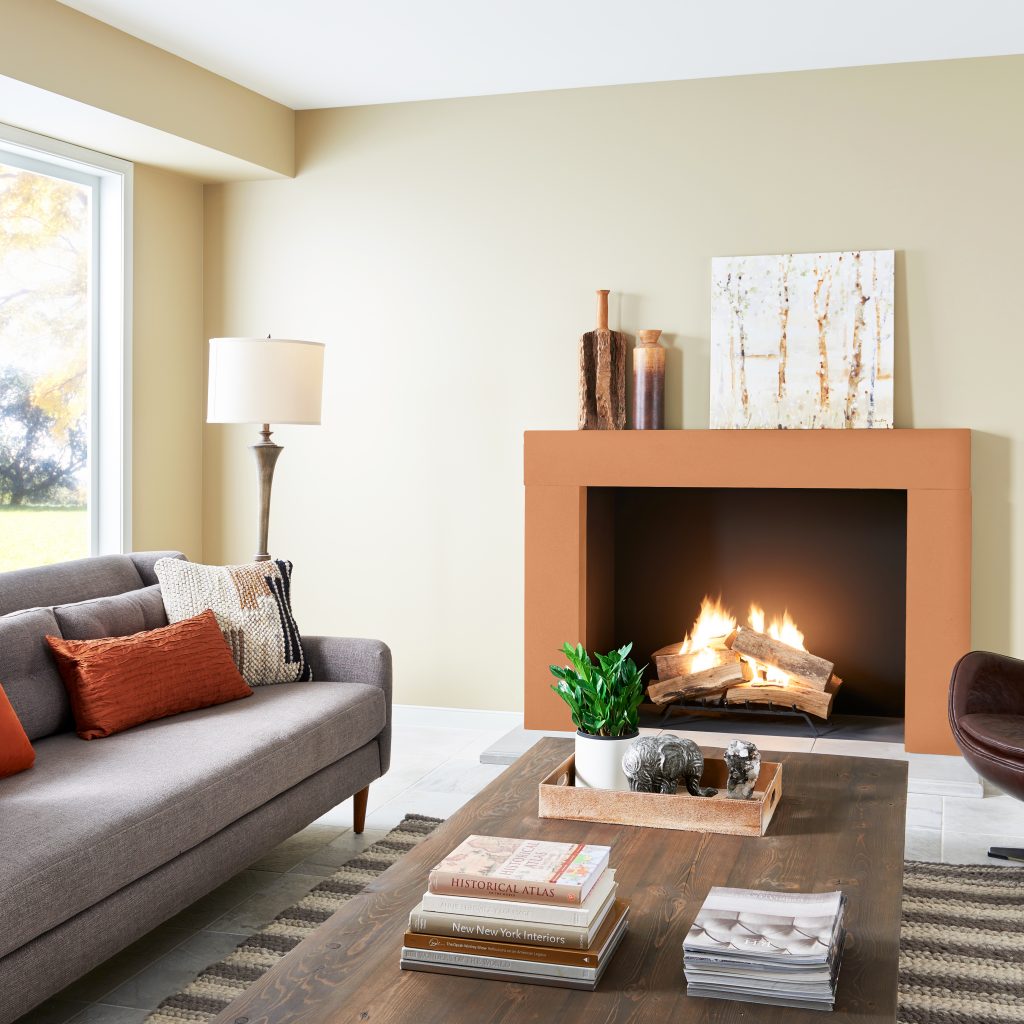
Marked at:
<point>835,560</point>
<point>863,536</point>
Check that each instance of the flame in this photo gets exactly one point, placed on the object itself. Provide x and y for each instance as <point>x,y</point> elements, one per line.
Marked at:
<point>715,622</point>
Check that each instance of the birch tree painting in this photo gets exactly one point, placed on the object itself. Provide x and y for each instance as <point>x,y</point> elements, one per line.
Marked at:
<point>802,341</point>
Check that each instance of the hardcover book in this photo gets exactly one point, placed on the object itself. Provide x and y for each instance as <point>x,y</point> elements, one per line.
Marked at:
<point>495,929</point>
<point>516,977</point>
<point>582,916</point>
<point>589,957</point>
<point>511,969</point>
<point>525,870</point>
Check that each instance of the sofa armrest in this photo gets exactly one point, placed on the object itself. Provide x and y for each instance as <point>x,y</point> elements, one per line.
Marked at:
<point>352,660</point>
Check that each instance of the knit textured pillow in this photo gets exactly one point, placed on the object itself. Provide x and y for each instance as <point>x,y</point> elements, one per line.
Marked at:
<point>253,608</point>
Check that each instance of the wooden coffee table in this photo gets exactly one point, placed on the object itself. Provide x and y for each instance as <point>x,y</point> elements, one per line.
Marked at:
<point>839,825</point>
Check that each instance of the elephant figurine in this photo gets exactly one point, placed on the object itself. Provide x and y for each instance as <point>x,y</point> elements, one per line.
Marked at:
<point>743,760</point>
<point>656,764</point>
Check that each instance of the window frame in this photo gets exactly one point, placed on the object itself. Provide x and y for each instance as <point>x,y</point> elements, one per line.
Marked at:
<point>110,363</point>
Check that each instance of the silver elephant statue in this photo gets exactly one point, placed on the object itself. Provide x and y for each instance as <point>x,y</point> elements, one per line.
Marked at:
<point>656,764</point>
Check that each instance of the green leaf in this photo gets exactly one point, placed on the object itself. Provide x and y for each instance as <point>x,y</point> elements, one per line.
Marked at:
<point>603,693</point>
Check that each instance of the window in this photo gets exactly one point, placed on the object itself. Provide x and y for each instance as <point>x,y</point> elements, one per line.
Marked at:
<point>64,346</point>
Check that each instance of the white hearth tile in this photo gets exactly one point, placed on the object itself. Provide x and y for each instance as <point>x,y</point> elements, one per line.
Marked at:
<point>990,814</point>
<point>863,727</point>
<point>958,848</point>
<point>923,844</point>
<point>859,748</point>
<point>943,775</point>
<point>944,767</point>
<point>937,787</point>
<point>781,744</point>
<point>924,811</point>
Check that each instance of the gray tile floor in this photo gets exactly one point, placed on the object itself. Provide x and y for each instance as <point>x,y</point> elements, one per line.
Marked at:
<point>436,768</point>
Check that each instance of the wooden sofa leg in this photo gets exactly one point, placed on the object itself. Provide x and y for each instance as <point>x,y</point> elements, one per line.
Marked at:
<point>359,810</point>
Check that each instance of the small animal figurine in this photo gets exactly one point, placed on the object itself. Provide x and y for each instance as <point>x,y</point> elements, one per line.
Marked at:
<point>743,760</point>
<point>655,764</point>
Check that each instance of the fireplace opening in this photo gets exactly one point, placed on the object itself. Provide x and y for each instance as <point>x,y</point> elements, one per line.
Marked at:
<point>834,560</point>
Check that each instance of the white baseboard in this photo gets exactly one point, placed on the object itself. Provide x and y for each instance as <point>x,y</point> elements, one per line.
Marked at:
<point>455,718</point>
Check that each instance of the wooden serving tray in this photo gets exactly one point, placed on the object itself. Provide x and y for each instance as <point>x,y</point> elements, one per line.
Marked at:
<point>559,798</point>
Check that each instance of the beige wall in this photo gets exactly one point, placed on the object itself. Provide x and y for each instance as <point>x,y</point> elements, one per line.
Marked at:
<point>167,363</point>
<point>448,252</point>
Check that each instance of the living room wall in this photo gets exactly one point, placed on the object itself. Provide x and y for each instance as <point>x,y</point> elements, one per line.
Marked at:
<point>448,252</point>
<point>167,362</point>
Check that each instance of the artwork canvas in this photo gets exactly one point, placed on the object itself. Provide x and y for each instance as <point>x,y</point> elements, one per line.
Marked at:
<point>802,340</point>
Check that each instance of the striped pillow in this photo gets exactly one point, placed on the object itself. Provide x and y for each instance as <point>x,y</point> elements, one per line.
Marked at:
<point>253,608</point>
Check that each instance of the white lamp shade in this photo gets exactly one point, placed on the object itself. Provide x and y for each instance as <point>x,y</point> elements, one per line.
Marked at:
<point>264,380</point>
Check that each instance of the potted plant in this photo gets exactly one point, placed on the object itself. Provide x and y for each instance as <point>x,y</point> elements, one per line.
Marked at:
<point>604,699</point>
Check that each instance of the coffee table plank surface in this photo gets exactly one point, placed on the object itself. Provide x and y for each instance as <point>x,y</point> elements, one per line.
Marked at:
<point>840,825</point>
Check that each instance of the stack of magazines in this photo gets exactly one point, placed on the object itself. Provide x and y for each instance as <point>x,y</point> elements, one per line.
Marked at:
<point>780,948</point>
<point>518,910</point>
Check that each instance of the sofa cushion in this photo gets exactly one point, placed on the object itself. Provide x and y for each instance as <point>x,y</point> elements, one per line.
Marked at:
<point>121,681</point>
<point>92,817</point>
<point>78,580</point>
<point>120,615</point>
<point>29,674</point>
<point>16,753</point>
<point>1001,733</point>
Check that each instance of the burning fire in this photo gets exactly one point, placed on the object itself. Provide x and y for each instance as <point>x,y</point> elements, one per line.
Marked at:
<point>714,623</point>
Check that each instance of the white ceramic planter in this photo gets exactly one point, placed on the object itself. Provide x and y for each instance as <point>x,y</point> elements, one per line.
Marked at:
<point>599,761</point>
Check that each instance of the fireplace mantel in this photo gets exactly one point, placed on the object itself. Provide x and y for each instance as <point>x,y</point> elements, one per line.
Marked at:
<point>932,466</point>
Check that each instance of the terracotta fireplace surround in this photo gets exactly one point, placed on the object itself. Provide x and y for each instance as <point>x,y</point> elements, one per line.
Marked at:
<point>564,591</point>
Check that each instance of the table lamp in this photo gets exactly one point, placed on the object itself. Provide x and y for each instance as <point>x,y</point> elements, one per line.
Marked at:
<point>264,380</point>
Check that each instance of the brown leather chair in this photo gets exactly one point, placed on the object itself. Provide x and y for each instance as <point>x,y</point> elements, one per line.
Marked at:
<point>986,712</point>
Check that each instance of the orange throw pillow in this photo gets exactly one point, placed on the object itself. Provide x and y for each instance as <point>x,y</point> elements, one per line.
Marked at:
<point>121,681</point>
<point>16,753</point>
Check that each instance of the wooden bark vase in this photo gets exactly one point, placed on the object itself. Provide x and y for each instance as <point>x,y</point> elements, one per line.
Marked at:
<point>649,382</point>
<point>602,374</point>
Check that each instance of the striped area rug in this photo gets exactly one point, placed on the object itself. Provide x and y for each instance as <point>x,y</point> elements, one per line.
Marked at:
<point>223,981</point>
<point>962,944</point>
<point>961,949</point>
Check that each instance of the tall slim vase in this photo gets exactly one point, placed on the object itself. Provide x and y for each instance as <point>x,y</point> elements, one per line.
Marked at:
<point>649,382</point>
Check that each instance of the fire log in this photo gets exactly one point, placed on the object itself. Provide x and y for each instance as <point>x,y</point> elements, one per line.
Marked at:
<point>671,666</point>
<point>814,702</point>
<point>809,669</point>
<point>708,683</point>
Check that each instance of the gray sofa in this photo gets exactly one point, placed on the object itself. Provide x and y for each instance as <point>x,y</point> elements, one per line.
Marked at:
<point>103,840</point>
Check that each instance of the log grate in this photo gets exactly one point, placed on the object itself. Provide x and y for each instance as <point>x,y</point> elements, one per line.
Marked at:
<point>699,708</point>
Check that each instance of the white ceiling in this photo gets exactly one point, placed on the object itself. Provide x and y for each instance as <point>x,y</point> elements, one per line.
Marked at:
<point>330,53</point>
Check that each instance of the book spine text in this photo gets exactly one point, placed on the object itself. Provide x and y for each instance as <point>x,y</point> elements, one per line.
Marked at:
<point>519,933</point>
<point>448,883</point>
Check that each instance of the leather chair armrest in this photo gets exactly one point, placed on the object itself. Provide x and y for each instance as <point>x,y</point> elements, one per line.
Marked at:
<point>986,683</point>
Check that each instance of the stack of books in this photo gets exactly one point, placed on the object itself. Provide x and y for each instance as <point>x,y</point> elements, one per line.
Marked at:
<point>518,910</point>
<point>780,948</point>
